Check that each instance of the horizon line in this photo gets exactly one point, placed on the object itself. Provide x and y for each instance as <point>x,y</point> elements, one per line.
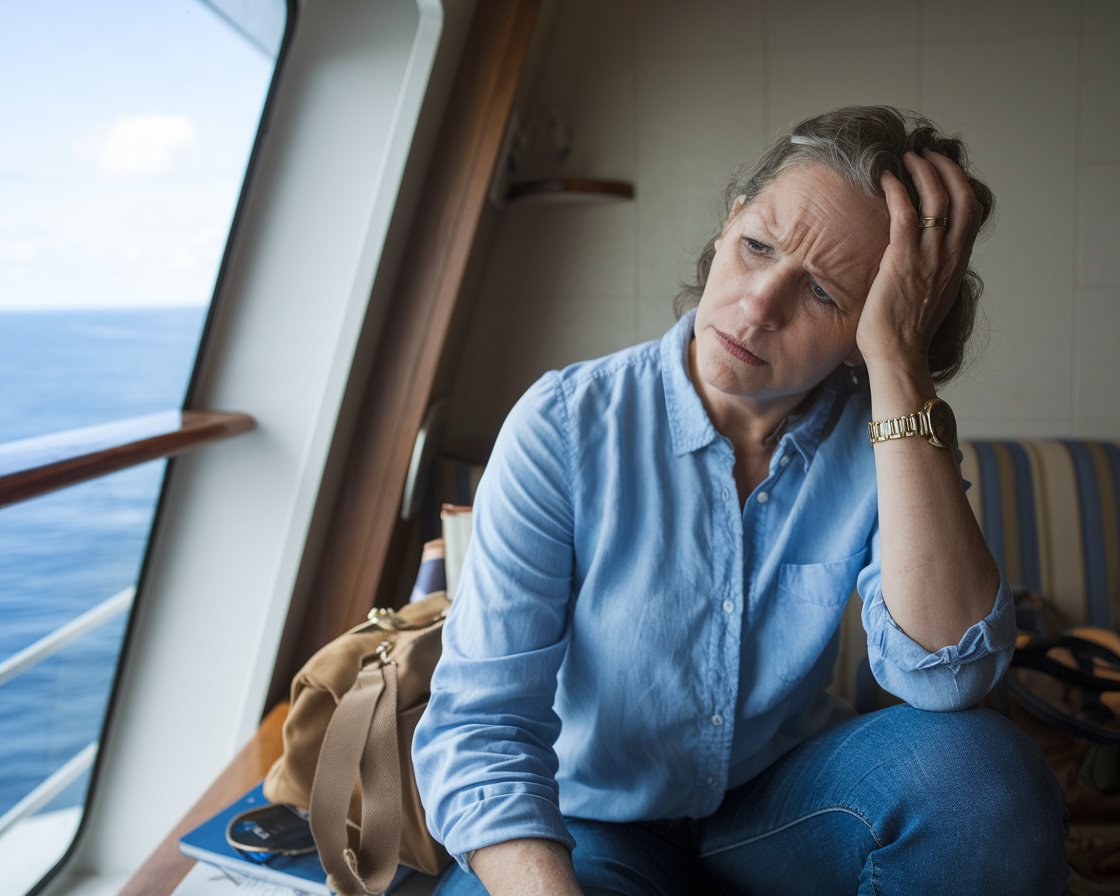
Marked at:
<point>18,309</point>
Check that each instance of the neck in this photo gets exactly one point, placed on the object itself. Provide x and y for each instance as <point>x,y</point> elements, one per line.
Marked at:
<point>753,425</point>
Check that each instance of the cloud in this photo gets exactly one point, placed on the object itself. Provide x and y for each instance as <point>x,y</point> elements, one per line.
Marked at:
<point>138,146</point>
<point>118,244</point>
<point>17,250</point>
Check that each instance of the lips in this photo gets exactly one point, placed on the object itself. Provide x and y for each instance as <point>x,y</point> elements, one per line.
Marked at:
<point>736,350</point>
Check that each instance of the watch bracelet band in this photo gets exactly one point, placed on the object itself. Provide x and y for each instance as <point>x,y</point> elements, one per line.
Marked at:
<point>897,428</point>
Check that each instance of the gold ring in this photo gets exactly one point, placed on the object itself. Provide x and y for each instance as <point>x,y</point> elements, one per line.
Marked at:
<point>933,222</point>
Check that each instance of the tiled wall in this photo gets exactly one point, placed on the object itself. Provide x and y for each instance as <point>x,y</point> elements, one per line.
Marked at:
<point>673,96</point>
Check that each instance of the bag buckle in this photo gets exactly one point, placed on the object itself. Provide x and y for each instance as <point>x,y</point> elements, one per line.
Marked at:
<point>390,621</point>
<point>381,652</point>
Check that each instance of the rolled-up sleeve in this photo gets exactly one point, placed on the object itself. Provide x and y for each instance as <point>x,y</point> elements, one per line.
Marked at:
<point>953,677</point>
<point>483,751</point>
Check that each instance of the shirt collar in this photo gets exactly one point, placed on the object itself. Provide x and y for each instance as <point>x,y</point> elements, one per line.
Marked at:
<point>688,421</point>
<point>810,425</point>
<point>690,425</point>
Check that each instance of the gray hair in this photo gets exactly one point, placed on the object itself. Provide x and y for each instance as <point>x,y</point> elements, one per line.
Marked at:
<point>859,143</point>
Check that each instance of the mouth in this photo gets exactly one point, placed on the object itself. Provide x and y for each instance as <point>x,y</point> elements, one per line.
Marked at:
<point>739,351</point>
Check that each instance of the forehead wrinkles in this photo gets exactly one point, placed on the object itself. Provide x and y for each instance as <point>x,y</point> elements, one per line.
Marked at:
<point>834,240</point>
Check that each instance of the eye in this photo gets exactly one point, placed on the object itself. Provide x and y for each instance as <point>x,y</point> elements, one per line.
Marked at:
<point>756,247</point>
<point>819,294</point>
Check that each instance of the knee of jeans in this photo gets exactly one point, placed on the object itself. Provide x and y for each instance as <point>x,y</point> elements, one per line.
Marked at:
<point>983,775</point>
<point>992,767</point>
<point>1026,807</point>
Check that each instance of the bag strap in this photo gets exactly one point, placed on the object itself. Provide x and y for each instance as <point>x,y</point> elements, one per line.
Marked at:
<point>361,736</point>
<point>1063,721</point>
<point>1033,655</point>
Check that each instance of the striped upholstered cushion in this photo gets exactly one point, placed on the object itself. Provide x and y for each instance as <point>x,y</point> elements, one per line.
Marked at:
<point>1050,511</point>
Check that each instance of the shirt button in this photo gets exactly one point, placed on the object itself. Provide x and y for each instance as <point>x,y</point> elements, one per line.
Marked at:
<point>728,607</point>
<point>711,781</point>
<point>763,497</point>
<point>717,720</point>
<point>785,460</point>
<point>724,494</point>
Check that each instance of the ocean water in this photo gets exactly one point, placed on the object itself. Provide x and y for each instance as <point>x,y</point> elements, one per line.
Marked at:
<point>63,553</point>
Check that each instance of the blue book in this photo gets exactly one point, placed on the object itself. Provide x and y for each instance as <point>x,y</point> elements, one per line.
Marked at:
<point>304,873</point>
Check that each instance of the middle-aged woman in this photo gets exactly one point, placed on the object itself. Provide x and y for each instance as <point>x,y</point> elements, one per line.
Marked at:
<point>631,698</point>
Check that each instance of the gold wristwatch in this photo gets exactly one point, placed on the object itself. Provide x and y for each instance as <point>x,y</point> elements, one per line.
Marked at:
<point>935,421</point>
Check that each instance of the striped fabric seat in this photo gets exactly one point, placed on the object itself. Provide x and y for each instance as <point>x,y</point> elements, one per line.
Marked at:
<point>1050,511</point>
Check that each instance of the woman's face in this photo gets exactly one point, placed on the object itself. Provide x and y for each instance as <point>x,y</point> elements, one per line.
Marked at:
<point>791,271</point>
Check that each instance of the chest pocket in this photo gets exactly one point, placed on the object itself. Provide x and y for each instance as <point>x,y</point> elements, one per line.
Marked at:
<point>811,601</point>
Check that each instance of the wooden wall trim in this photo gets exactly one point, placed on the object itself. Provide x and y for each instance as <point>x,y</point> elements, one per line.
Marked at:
<point>417,324</point>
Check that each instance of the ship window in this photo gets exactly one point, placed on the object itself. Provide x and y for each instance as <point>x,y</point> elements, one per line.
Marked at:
<point>129,130</point>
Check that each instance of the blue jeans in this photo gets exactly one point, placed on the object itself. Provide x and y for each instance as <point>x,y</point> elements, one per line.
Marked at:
<point>899,801</point>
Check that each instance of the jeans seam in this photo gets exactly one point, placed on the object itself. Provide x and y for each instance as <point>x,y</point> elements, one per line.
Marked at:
<point>839,808</point>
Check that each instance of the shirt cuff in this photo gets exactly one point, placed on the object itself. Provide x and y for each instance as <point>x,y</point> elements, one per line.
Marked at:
<point>493,814</point>
<point>952,677</point>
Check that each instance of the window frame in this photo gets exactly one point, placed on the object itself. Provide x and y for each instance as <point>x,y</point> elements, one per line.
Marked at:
<point>120,451</point>
<point>175,718</point>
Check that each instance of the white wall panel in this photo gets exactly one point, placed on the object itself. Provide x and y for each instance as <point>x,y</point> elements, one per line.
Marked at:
<point>679,208</point>
<point>956,20</point>
<point>882,23</point>
<point>1100,15</point>
<point>705,107</point>
<point>537,243</point>
<point>1100,76</point>
<point>592,33</point>
<point>698,119</point>
<point>803,84</point>
<point>1098,328</point>
<point>1099,247</point>
<point>668,28</point>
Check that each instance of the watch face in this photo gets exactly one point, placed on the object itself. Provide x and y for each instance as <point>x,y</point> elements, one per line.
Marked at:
<point>942,424</point>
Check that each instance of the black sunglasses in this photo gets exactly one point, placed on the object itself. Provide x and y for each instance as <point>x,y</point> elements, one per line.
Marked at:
<point>262,834</point>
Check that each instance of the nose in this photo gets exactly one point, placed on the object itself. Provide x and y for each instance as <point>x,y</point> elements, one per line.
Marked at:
<point>763,300</point>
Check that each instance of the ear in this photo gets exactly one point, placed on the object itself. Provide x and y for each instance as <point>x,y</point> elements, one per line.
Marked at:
<point>736,207</point>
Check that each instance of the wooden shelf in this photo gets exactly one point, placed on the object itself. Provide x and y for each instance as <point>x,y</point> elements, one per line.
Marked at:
<point>33,467</point>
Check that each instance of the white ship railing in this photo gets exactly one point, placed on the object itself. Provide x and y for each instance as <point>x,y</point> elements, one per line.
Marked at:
<point>70,772</point>
<point>31,656</point>
<point>52,643</point>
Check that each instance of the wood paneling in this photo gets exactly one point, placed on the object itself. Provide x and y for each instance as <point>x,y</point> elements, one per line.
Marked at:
<point>414,339</point>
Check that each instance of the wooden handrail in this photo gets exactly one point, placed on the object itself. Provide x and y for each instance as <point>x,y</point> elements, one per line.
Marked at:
<point>32,467</point>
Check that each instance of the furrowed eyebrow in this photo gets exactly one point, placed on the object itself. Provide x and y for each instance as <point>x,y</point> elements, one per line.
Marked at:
<point>768,226</point>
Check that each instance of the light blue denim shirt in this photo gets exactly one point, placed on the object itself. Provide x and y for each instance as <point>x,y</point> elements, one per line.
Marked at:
<point>627,641</point>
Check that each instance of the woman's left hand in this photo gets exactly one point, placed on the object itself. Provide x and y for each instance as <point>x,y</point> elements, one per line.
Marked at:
<point>920,275</point>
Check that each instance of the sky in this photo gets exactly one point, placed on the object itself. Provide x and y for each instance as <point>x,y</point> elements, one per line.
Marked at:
<point>127,128</point>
